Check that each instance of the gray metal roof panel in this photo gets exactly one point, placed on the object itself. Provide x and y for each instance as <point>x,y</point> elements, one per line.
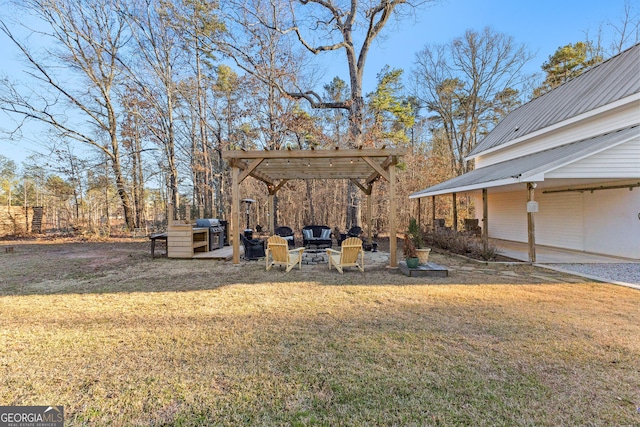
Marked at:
<point>526,167</point>
<point>604,83</point>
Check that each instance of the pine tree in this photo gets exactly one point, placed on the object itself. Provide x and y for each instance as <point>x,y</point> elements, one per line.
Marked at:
<point>566,63</point>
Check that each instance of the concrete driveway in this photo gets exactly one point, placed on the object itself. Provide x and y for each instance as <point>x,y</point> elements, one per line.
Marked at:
<point>619,271</point>
<point>549,255</point>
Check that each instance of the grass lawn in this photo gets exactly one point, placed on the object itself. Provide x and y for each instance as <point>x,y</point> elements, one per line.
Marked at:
<point>121,340</point>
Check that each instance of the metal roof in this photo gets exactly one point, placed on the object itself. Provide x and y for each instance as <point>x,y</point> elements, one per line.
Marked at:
<point>531,167</point>
<point>604,83</point>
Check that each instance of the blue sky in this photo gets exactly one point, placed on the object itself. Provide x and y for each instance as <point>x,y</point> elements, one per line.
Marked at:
<point>542,26</point>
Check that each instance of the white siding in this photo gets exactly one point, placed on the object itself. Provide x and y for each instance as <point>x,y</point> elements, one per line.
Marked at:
<point>612,222</point>
<point>622,161</point>
<point>603,222</point>
<point>559,221</point>
<point>614,119</point>
<point>508,216</point>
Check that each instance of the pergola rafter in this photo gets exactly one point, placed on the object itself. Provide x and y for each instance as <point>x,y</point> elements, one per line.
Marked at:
<point>275,167</point>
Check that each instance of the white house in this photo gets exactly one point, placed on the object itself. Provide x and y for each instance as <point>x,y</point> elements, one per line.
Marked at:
<point>574,153</point>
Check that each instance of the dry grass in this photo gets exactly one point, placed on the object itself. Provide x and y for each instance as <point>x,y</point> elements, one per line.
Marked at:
<point>121,340</point>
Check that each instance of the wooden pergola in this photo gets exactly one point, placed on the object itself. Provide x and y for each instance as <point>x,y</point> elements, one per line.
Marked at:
<point>362,166</point>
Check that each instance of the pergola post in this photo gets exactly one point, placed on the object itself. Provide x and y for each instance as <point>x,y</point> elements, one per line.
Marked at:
<point>369,215</point>
<point>393,243</point>
<point>271,213</point>
<point>235,212</point>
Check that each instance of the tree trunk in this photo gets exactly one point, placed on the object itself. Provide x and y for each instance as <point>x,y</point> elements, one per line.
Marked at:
<point>139,187</point>
<point>171,155</point>
<point>356,122</point>
<point>352,205</point>
<point>121,188</point>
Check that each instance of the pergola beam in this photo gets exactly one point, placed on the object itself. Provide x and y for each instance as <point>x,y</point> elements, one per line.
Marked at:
<point>382,172</point>
<point>365,190</point>
<point>250,168</point>
<point>253,172</point>
<point>391,160</point>
<point>311,154</point>
<point>273,189</point>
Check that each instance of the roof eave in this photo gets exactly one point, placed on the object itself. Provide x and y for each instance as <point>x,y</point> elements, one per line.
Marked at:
<point>588,147</point>
<point>585,116</point>
<point>466,188</point>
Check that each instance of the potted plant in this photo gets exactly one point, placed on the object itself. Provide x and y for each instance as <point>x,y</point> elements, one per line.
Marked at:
<point>410,255</point>
<point>415,234</point>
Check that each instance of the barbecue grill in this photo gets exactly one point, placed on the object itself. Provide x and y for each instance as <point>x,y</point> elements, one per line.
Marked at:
<point>217,232</point>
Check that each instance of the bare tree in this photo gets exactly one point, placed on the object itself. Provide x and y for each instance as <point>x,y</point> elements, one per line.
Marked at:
<point>134,133</point>
<point>197,22</point>
<point>74,168</point>
<point>77,77</point>
<point>626,29</point>
<point>161,56</point>
<point>350,27</point>
<point>267,56</point>
<point>226,112</point>
<point>468,84</point>
<point>270,62</point>
<point>7,177</point>
<point>623,33</point>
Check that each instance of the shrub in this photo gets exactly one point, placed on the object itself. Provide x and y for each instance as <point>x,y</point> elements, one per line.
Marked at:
<point>462,244</point>
<point>409,248</point>
<point>415,234</point>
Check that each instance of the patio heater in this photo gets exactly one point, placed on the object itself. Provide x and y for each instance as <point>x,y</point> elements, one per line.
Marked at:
<point>248,232</point>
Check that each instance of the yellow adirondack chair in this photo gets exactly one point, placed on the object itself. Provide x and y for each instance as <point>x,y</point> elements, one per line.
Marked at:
<point>278,251</point>
<point>350,255</point>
